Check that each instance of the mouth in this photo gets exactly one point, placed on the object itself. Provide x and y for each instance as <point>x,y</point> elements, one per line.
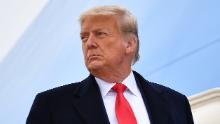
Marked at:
<point>93,57</point>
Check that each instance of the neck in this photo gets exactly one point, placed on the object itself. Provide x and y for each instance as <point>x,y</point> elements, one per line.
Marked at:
<point>112,76</point>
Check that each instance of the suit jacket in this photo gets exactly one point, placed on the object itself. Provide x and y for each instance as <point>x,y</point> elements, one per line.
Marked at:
<point>81,103</point>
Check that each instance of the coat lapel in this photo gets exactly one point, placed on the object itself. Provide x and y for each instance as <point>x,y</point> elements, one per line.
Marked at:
<point>155,104</point>
<point>88,101</point>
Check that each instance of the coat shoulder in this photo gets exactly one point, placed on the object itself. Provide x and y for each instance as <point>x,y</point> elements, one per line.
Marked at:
<point>62,89</point>
<point>159,88</point>
<point>68,89</point>
<point>164,89</point>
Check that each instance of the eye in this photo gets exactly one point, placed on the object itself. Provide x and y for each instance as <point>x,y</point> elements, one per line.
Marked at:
<point>101,34</point>
<point>84,38</point>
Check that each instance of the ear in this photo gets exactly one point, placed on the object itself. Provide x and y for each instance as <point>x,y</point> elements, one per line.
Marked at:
<point>131,45</point>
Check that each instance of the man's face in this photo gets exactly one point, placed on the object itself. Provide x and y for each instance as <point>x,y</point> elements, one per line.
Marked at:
<point>104,46</point>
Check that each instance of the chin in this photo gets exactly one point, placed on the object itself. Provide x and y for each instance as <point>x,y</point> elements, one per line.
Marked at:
<point>94,66</point>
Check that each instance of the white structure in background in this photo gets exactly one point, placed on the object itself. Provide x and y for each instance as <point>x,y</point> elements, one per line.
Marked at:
<point>206,107</point>
<point>15,17</point>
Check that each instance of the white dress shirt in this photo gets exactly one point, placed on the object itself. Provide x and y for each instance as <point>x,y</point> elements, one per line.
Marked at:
<point>132,94</point>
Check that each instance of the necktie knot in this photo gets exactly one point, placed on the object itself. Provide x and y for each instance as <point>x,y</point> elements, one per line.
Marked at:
<point>119,87</point>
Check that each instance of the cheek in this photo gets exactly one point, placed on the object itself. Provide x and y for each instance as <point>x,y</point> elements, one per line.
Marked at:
<point>84,50</point>
<point>116,53</point>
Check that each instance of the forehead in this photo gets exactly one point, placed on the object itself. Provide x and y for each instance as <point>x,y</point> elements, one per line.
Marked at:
<point>99,22</point>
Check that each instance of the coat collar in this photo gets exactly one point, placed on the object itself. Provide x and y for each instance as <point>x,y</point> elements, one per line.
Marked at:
<point>156,105</point>
<point>89,103</point>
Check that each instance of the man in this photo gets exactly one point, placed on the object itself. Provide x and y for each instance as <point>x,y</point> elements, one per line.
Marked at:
<point>113,93</point>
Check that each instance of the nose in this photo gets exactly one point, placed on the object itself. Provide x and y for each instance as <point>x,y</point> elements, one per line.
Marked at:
<point>91,42</point>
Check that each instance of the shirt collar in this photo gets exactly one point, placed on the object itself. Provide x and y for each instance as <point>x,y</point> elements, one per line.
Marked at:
<point>104,86</point>
<point>129,81</point>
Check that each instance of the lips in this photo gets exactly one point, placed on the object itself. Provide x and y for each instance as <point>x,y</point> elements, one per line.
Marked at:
<point>93,56</point>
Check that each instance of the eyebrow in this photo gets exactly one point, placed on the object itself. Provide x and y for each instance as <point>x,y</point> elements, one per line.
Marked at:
<point>82,33</point>
<point>95,30</point>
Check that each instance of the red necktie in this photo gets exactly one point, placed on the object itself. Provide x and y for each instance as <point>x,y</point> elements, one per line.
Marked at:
<point>123,110</point>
